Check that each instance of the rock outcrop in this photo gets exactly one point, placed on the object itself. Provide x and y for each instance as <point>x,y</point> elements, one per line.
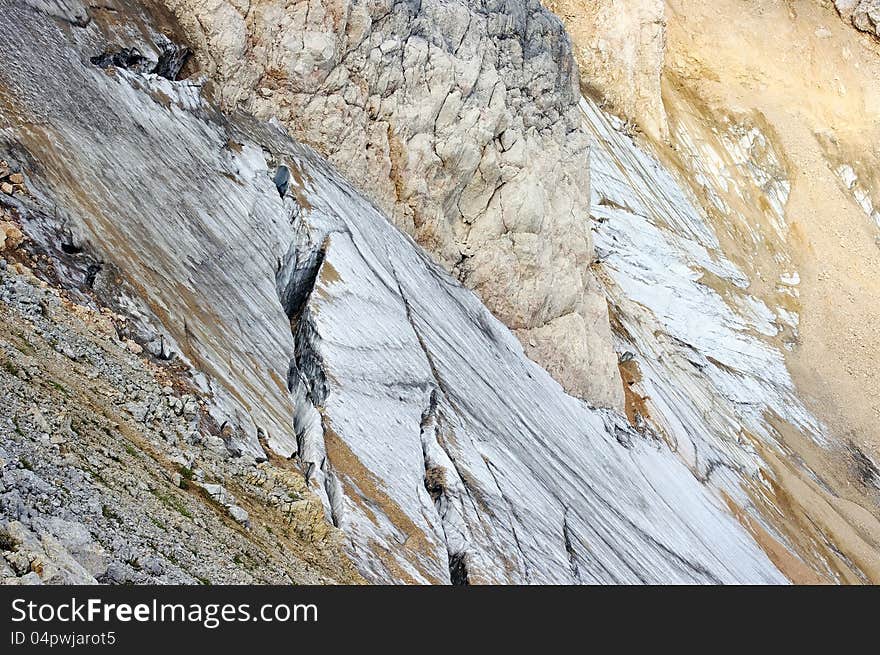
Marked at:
<point>104,456</point>
<point>713,245</point>
<point>460,121</point>
<point>325,340</point>
<point>863,14</point>
<point>619,48</point>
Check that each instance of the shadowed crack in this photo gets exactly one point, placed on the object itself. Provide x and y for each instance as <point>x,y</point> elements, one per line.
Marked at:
<point>306,380</point>
<point>569,547</point>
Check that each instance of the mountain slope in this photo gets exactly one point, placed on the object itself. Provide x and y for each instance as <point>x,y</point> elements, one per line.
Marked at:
<point>316,331</point>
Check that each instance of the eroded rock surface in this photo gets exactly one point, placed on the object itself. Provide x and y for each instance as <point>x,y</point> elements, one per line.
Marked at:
<point>460,120</point>
<point>712,251</point>
<point>322,337</point>
<point>104,455</point>
<point>863,14</point>
<point>619,48</point>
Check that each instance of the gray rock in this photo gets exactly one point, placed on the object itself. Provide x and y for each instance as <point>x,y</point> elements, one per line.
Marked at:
<point>535,485</point>
<point>76,538</point>
<point>863,14</point>
<point>152,565</point>
<point>29,579</point>
<point>239,514</point>
<point>118,573</point>
<point>460,120</point>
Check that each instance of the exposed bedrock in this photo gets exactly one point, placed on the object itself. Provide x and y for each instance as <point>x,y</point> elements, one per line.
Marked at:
<point>863,14</point>
<point>459,119</point>
<point>327,335</point>
<point>619,48</point>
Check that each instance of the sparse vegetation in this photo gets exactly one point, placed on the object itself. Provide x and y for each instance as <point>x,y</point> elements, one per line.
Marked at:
<point>59,387</point>
<point>172,502</point>
<point>10,367</point>
<point>186,476</point>
<point>7,542</point>
<point>109,513</point>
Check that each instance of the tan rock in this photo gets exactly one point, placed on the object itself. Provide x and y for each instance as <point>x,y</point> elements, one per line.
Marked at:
<point>16,178</point>
<point>620,48</point>
<point>10,236</point>
<point>133,347</point>
<point>7,188</point>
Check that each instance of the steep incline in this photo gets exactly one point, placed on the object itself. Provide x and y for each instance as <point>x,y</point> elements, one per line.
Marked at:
<point>325,334</point>
<point>739,256</point>
<point>459,118</point>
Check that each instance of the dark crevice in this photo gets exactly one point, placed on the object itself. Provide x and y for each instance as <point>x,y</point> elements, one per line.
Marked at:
<point>91,273</point>
<point>458,569</point>
<point>296,279</point>
<point>171,61</point>
<point>866,472</point>
<point>127,58</point>
<point>282,180</point>
<point>436,486</point>
<point>295,282</point>
<point>70,248</point>
<point>569,548</point>
<point>307,365</point>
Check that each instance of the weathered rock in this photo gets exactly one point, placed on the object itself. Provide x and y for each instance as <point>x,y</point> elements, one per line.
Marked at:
<point>323,331</point>
<point>620,47</point>
<point>108,483</point>
<point>239,514</point>
<point>41,554</point>
<point>863,14</point>
<point>460,120</point>
<point>10,236</point>
<point>78,541</point>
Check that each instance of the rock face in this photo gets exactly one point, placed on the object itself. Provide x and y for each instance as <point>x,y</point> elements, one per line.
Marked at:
<point>863,14</point>
<point>707,248</point>
<point>102,464</point>
<point>460,121</point>
<point>324,335</point>
<point>619,48</point>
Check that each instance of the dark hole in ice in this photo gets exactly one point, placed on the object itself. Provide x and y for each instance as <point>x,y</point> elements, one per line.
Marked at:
<point>128,58</point>
<point>91,274</point>
<point>70,249</point>
<point>171,61</point>
<point>282,179</point>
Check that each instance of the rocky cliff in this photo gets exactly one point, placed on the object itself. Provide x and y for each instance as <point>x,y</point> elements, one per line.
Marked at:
<point>757,216</point>
<point>323,288</point>
<point>316,332</point>
<point>460,120</point>
<point>619,48</point>
<point>863,14</point>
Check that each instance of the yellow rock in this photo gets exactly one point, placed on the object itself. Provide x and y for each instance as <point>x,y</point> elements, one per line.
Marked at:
<point>10,236</point>
<point>133,347</point>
